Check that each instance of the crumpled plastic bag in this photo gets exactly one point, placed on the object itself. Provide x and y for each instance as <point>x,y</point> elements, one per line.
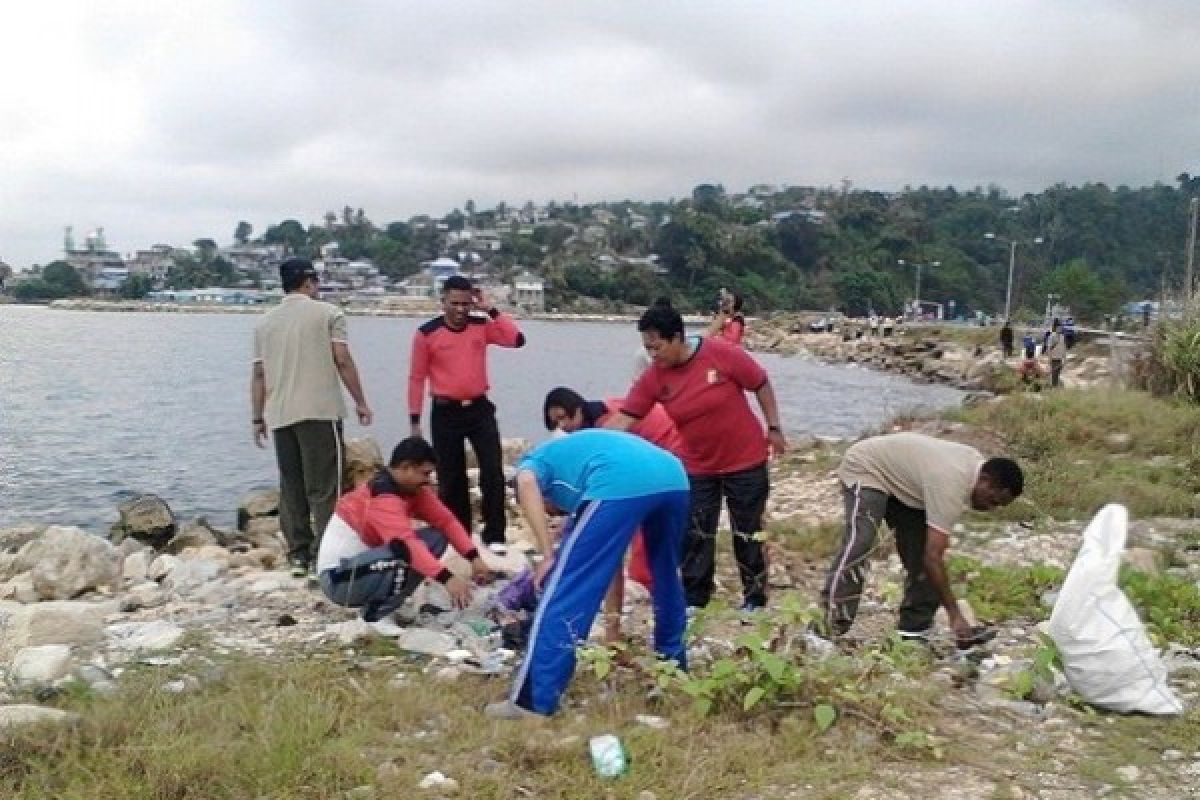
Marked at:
<point>1107,656</point>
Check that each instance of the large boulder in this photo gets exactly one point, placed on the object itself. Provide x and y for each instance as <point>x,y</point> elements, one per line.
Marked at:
<point>54,622</point>
<point>197,533</point>
<point>255,504</point>
<point>146,518</point>
<point>65,562</point>
<point>40,665</point>
<point>363,458</point>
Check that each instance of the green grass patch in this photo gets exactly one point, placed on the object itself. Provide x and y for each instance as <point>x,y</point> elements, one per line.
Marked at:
<point>1168,605</point>
<point>1071,467</point>
<point>998,593</point>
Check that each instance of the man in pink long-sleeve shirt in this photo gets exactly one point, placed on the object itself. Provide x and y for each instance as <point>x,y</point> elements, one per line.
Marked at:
<point>450,354</point>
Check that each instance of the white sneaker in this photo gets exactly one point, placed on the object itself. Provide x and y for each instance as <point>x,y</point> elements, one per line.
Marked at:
<point>386,627</point>
<point>507,709</point>
<point>498,548</point>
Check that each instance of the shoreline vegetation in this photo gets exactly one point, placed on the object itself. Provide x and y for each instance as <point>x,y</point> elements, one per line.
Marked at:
<point>207,672</point>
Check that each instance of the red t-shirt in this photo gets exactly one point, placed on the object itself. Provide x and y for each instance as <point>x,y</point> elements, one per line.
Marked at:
<point>705,398</point>
<point>733,329</point>
<point>656,427</point>
<point>455,362</point>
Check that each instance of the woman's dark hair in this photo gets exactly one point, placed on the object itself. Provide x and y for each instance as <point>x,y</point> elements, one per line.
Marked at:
<point>663,320</point>
<point>568,400</point>
<point>413,450</point>
<point>737,301</point>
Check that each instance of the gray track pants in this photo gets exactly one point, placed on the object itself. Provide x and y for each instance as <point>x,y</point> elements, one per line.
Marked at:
<point>865,509</point>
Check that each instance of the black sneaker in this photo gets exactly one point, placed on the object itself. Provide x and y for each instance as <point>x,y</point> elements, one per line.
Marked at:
<point>923,636</point>
<point>301,567</point>
<point>978,635</point>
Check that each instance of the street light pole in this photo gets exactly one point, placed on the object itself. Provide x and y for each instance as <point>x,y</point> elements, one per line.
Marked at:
<point>917,287</point>
<point>1012,266</point>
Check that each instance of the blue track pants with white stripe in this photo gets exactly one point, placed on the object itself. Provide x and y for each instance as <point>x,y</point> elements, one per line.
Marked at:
<point>590,554</point>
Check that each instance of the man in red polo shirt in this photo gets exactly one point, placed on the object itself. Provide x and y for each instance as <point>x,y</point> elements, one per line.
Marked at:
<point>702,385</point>
<point>450,353</point>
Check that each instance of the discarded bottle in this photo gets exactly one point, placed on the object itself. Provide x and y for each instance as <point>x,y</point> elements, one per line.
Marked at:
<point>608,756</point>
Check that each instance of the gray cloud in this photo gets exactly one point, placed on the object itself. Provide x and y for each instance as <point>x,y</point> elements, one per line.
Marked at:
<point>165,124</point>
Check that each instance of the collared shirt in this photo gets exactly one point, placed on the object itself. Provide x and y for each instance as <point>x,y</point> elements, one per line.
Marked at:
<point>705,398</point>
<point>378,512</point>
<point>455,362</point>
<point>294,343</point>
<point>919,471</point>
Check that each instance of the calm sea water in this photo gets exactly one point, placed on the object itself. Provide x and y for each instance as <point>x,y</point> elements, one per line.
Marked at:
<point>94,406</point>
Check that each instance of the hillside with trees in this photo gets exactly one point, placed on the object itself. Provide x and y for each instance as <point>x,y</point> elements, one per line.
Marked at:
<point>804,248</point>
<point>1092,246</point>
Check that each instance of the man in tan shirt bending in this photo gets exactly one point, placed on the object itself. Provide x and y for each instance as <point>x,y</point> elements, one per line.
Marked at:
<point>920,486</point>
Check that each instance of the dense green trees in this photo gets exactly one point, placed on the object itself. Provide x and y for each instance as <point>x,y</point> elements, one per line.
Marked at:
<point>56,279</point>
<point>791,248</point>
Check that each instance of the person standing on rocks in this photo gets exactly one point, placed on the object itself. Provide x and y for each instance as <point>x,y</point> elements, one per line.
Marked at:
<point>610,483</point>
<point>919,486</point>
<point>1056,353</point>
<point>450,354</point>
<point>702,385</point>
<point>1006,339</point>
<point>300,354</point>
<point>372,558</point>
<point>728,324</point>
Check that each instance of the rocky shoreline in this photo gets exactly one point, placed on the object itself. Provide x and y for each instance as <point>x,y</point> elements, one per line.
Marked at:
<point>922,354</point>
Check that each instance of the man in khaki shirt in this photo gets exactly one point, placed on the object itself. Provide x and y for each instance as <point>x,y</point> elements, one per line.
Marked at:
<point>300,355</point>
<point>920,486</point>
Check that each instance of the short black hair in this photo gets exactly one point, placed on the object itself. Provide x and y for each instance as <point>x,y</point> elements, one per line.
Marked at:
<point>413,450</point>
<point>737,301</point>
<point>294,272</point>
<point>663,320</point>
<point>662,301</point>
<point>457,282</point>
<point>568,400</point>
<point>1004,473</point>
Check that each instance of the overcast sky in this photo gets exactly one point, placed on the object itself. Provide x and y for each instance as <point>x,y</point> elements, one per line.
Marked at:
<point>168,121</point>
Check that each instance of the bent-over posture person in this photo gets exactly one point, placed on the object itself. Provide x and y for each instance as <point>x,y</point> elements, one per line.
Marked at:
<point>566,410</point>
<point>920,486</point>
<point>372,558</point>
<point>610,483</point>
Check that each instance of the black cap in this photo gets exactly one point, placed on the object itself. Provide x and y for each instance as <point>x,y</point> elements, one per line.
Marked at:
<point>294,271</point>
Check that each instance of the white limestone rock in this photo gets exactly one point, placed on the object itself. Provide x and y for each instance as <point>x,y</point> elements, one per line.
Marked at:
<point>40,665</point>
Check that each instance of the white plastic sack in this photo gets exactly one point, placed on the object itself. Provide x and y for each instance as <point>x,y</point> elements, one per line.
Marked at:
<point>1106,655</point>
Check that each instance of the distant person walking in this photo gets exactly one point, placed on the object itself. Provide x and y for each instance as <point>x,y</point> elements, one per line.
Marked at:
<point>1006,339</point>
<point>702,385</point>
<point>300,353</point>
<point>450,354</point>
<point>729,324</point>
<point>1056,352</point>
<point>919,486</point>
